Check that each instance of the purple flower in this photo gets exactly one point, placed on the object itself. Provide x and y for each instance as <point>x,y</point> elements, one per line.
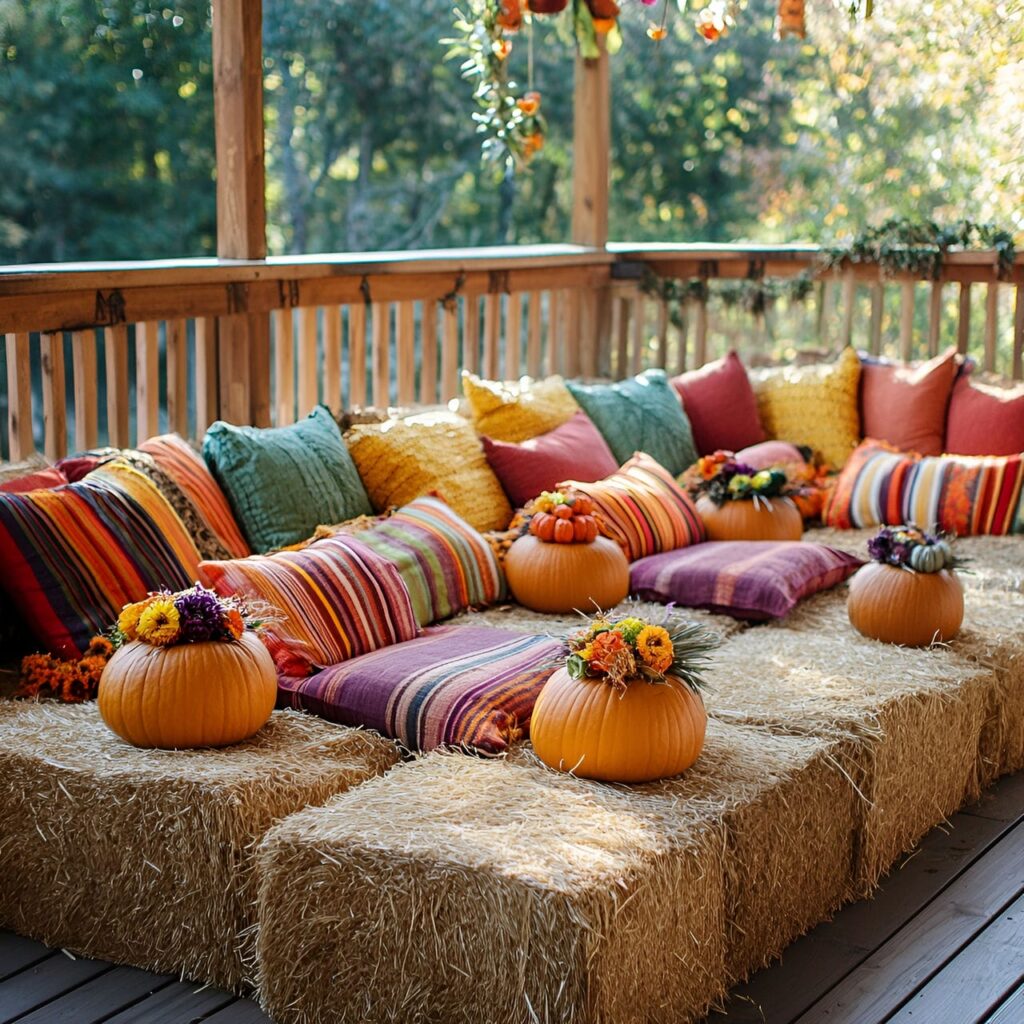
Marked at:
<point>202,615</point>
<point>878,548</point>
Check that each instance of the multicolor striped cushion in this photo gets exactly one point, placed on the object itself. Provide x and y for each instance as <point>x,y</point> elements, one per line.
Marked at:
<point>329,602</point>
<point>958,493</point>
<point>643,508</point>
<point>185,466</point>
<point>73,556</point>
<point>457,686</point>
<point>446,564</point>
<point>746,579</point>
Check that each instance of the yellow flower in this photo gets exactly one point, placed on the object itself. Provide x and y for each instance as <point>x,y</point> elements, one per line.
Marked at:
<point>587,652</point>
<point>128,620</point>
<point>160,623</point>
<point>654,646</point>
<point>630,628</point>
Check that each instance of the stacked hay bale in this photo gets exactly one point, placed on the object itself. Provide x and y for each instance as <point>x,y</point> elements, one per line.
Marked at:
<point>464,890</point>
<point>145,857</point>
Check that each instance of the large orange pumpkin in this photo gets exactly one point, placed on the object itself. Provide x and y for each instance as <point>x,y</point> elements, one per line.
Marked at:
<point>899,606</point>
<point>767,519</point>
<point>189,695</point>
<point>566,577</point>
<point>648,731</point>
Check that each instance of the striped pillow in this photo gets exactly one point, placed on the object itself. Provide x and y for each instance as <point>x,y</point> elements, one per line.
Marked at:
<point>446,564</point>
<point>961,494</point>
<point>643,508</point>
<point>456,686</point>
<point>73,556</point>
<point>329,602</point>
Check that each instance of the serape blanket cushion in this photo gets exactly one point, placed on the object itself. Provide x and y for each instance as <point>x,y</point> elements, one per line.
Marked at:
<point>753,580</point>
<point>516,410</point>
<point>331,601</point>
<point>283,482</point>
<point>643,508</point>
<point>960,494</point>
<point>455,686</point>
<point>447,566</point>
<point>71,557</point>
<point>643,414</point>
<point>185,466</point>
<point>576,449</point>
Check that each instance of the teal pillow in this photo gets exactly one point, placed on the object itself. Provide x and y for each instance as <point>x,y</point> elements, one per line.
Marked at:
<point>643,414</point>
<point>283,482</point>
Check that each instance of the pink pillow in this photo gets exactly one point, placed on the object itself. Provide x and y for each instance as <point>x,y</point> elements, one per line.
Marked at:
<point>721,407</point>
<point>770,453</point>
<point>906,405</point>
<point>574,450</point>
<point>984,420</point>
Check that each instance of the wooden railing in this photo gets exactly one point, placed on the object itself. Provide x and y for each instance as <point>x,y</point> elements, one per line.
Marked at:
<point>112,353</point>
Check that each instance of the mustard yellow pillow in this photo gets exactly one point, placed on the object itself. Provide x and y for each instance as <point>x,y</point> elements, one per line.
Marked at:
<point>812,405</point>
<point>403,459</point>
<point>517,410</point>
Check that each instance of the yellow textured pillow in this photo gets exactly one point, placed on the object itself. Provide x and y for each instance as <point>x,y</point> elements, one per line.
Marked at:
<point>402,459</point>
<point>517,410</point>
<point>812,405</point>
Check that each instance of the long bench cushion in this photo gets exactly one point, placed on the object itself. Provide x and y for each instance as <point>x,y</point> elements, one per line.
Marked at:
<point>468,686</point>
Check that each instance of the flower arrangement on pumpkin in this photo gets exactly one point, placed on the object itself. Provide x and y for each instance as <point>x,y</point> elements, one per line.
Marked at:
<point>618,651</point>
<point>910,547</point>
<point>44,677</point>
<point>722,478</point>
<point>191,616</point>
<point>561,517</point>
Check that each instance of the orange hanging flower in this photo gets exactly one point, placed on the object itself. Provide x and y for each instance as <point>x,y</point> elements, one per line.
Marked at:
<point>529,104</point>
<point>657,32</point>
<point>502,48</point>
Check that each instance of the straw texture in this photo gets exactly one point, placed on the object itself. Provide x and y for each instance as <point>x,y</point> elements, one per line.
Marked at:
<point>463,890</point>
<point>144,857</point>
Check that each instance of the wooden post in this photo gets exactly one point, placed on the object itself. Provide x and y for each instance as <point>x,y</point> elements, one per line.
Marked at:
<point>243,338</point>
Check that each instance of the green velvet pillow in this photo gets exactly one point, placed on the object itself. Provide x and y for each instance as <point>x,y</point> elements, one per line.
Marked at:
<point>283,482</point>
<point>643,414</point>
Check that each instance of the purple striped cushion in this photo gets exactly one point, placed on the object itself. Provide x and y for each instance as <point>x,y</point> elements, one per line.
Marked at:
<point>746,579</point>
<point>455,686</point>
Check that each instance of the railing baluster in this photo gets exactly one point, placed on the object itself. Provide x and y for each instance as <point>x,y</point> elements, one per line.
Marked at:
<point>332,357</point>
<point>991,325</point>
<point>492,334</point>
<point>380,328</point>
<point>700,333</point>
<point>83,361</point>
<point>177,375</point>
<point>571,341</point>
<point>533,335</point>
<point>309,391</point>
<point>934,317</point>
<point>449,350</point>
<point>207,387</point>
<point>639,327</point>
<point>513,335</point>
<point>20,441</point>
<point>849,306</point>
<point>406,353</point>
<point>284,367</point>
<point>877,308</point>
<point>588,333</point>
<point>620,332</point>
<point>471,334</point>
<point>682,340</point>
<point>662,357</point>
<point>1018,334</point>
<point>907,297</point>
<point>963,327</point>
<point>428,357</point>
<point>553,356</point>
<point>356,355</point>
<point>55,427</point>
<point>147,380</point>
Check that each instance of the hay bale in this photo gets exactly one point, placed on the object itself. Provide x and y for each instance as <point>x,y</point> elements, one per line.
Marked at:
<point>908,721</point>
<point>144,857</point>
<point>499,891</point>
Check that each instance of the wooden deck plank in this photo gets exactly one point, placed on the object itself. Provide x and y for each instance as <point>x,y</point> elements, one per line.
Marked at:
<point>880,984</point>
<point>48,979</point>
<point>1012,1010</point>
<point>97,999</point>
<point>17,953</point>
<point>1005,802</point>
<point>976,981</point>
<point>244,1011</point>
<point>179,1002</point>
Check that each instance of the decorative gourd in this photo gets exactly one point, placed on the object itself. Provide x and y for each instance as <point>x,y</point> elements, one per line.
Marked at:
<point>647,731</point>
<point>899,606</point>
<point>766,519</point>
<point>565,577</point>
<point>191,695</point>
<point>927,558</point>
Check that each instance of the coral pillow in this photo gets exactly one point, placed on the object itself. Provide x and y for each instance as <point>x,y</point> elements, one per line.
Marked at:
<point>746,579</point>
<point>510,410</point>
<point>331,601</point>
<point>813,405</point>
<point>36,480</point>
<point>906,405</point>
<point>719,401</point>
<point>769,454</point>
<point>985,420</point>
<point>576,449</point>
<point>403,459</point>
<point>643,508</point>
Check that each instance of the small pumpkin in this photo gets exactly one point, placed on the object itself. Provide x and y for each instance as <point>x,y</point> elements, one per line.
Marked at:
<point>190,695</point>
<point>582,505</point>
<point>648,731</point>
<point>542,525</point>
<point>927,558</point>
<point>899,606</point>
<point>744,519</point>
<point>563,512</point>
<point>565,532</point>
<point>565,577</point>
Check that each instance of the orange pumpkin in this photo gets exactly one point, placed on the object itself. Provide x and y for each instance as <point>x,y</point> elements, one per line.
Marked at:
<point>543,525</point>
<point>582,505</point>
<point>587,727</point>
<point>565,532</point>
<point>771,519</point>
<point>899,606</point>
<point>566,577</point>
<point>189,695</point>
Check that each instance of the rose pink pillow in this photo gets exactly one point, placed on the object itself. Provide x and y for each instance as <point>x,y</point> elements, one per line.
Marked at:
<point>574,450</point>
<point>985,420</point>
<point>770,453</point>
<point>720,404</point>
<point>906,405</point>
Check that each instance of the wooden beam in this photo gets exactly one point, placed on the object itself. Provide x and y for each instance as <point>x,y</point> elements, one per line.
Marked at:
<point>591,150</point>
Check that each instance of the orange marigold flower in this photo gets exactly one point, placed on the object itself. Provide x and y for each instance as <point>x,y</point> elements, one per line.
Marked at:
<point>234,623</point>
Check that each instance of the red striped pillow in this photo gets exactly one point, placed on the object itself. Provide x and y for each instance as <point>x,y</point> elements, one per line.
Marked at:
<point>329,602</point>
<point>643,508</point>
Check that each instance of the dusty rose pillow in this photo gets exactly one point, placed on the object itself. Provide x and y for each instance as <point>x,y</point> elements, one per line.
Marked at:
<point>576,449</point>
<point>38,480</point>
<point>906,405</point>
<point>770,453</point>
<point>985,420</point>
<point>720,403</point>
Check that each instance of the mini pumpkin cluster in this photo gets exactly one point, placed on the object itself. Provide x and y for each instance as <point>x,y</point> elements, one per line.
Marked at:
<point>563,518</point>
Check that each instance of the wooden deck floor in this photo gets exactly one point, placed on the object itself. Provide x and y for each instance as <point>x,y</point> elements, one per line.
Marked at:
<point>942,943</point>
